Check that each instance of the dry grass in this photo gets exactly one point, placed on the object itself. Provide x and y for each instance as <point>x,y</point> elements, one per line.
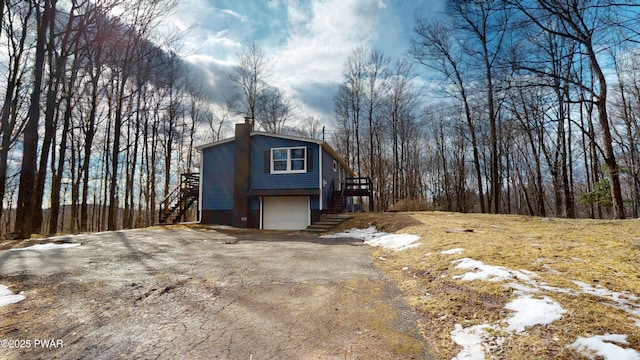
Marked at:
<point>559,251</point>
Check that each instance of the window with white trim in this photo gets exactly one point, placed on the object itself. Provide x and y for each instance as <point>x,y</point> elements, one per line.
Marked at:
<point>289,160</point>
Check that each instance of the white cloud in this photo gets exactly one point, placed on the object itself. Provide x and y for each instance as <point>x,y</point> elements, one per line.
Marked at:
<point>206,29</point>
<point>234,14</point>
<point>220,38</point>
<point>297,14</point>
<point>322,37</point>
<point>273,4</point>
<point>213,74</point>
<point>308,40</point>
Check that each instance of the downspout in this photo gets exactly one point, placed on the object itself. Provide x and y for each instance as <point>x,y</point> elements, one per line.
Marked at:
<point>320,168</point>
<point>200,180</point>
<point>260,200</point>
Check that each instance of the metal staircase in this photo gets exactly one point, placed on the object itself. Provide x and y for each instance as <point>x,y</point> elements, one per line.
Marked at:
<point>175,205</point>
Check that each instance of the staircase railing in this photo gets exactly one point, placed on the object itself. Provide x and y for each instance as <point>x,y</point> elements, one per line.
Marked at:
<point>332,187</point>
<point>359,186</point>
<point>176,199</point>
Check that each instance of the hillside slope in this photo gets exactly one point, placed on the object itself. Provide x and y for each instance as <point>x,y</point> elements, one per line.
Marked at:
<point>515,287</point>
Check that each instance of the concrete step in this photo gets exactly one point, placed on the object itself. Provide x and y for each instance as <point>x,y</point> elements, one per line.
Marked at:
<point>328,222</point>
<point>317,229</point>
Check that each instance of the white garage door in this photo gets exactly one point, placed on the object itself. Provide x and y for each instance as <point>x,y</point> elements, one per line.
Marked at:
<point>285,212</point>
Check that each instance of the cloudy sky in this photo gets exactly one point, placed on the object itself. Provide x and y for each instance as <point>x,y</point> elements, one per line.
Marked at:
<point>309,40</point>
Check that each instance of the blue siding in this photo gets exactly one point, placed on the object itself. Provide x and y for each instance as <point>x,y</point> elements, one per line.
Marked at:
<point>217,177</point>
<point>218,169</point>
<point>314,202</point>
<point>260,179</point>
<point>328,176</point>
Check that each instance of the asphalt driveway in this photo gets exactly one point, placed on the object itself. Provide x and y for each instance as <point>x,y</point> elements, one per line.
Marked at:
<point>197,293</point>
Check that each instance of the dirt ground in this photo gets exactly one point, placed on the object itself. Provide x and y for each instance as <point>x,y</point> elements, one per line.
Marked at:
<point>195,293</point>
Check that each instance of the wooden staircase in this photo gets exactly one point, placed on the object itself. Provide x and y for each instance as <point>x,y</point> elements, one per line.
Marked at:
<point>355,186</point>
<point>358,186</point>
<point>175,205</point>
<point>337,203</point>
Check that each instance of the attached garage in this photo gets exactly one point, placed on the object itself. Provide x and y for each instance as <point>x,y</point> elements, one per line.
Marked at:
<point>285,212</point>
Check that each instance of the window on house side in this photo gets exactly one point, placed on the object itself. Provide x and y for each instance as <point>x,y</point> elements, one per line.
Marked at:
<point>335,166</point>
<point>289,160</point>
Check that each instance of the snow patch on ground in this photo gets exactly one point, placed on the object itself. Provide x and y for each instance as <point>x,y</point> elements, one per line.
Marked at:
<point>376,238</point>
<point>472,340</point>
<point>452,251</point>
<point>489,272</point>
<point>625,301</point>
<point>47,246</point>
<point>603,345</point>
<point>363,234</point>
<point>394,241</point>
<point>69,236</point>
<point>8,297</point>
<point>529,311</point>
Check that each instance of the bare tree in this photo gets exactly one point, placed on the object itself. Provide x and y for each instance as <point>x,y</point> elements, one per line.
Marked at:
<point>143,17</point>
<point>217,117</point>
<point>400,109</point>
<point>342,138</point>
<point>95,54</point>
<point>486,21</point>
<point>354,81</point>
<point>25,207</point>
<point>311,127</point>
<point>251,77</point>
<point>57,60</point>
<point>16,18</point>
<point>274,109</point>
<point>376,72</point>
<point>197,106</point>
<point>437,46</point>
<point>627,109</point>
<point>583,22</point>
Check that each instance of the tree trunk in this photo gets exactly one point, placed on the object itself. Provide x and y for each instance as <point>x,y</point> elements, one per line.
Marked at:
<point>25,206</point>
<point>88,144</point>
<point>112,216</point>
<point>56,180</point>
<point>607,140</point>
<point>56,67</point>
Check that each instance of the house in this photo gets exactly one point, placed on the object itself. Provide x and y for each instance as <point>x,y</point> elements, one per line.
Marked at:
<point>269,181</point>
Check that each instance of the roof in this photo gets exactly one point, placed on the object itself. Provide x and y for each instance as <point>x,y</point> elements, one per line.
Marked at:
<point>283,192</point>
<point>322,143</point>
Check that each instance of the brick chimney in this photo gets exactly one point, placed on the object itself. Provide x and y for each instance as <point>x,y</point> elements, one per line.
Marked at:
<point>242,168</point>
